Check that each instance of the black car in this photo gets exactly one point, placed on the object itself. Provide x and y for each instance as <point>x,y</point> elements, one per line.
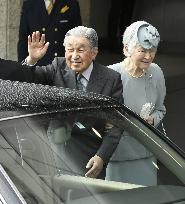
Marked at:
<point>34,168</point>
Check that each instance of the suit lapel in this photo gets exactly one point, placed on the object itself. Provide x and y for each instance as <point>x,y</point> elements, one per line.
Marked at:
<point>69,78</point>
<point>44,17</point>
<point>43,6</point>
<point>96,81</point>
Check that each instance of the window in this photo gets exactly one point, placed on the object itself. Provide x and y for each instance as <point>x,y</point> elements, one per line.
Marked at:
<point>43,155</point>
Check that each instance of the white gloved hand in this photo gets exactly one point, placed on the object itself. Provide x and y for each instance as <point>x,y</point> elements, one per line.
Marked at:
<point>146,110</point>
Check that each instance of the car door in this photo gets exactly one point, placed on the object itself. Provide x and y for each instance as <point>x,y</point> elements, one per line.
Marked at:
<point>34,157</point>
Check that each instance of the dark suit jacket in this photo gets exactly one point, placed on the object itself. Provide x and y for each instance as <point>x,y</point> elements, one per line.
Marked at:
<point>34,17</point>
<point>102,81</point>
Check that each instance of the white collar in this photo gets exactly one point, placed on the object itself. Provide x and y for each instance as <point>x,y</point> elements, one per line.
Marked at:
<point>87,72</point>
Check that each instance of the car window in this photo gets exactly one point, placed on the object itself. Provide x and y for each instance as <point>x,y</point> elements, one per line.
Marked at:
<point>34,155</point>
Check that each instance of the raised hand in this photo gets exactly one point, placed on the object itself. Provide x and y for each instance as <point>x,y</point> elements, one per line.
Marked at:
<point>37,47</point>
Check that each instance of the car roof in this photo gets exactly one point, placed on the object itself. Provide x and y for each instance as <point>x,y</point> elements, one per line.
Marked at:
<point>22,97</point>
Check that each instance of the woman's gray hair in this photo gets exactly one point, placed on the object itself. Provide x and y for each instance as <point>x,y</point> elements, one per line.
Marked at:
<point>82,31</point>
<point>141,33</point>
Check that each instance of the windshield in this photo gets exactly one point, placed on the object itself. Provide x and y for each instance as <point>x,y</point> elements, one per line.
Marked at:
<point>43,156</point>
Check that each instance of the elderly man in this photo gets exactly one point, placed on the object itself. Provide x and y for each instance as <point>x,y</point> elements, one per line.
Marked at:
<point>77,70</point>
<point>81,48</point>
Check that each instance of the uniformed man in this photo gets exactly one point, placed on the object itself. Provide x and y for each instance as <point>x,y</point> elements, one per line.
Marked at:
<point>52,18</point>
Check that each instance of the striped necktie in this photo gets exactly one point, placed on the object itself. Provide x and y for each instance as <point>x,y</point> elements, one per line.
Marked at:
<point>50,6</point>
<point>81,82</point>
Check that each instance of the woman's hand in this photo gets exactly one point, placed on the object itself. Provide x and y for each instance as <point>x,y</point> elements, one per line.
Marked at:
<point>150,120</point>
<point>37,47</point>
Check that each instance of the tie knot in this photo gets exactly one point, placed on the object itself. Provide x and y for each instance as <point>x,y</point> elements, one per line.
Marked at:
<point>79,77</point>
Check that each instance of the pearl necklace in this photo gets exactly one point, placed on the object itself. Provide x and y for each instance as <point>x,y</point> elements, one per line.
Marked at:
<point>132,75</point>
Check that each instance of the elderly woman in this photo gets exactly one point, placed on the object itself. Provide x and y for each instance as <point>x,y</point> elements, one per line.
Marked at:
<point>144,92</point>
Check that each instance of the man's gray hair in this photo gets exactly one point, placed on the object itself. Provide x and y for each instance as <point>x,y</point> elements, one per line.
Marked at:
<point>141,33</point>
<point>82,31</point>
